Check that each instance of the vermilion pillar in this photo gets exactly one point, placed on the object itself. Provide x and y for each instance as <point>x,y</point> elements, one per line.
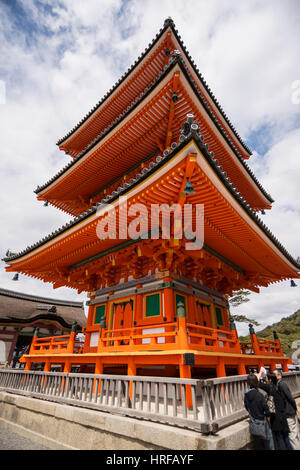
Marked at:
<point>221,371</point>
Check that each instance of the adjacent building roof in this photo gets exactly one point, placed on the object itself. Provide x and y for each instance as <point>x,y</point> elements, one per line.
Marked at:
<point>18,307</point>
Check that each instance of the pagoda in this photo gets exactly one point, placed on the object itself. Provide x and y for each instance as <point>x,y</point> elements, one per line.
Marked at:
<point>157,299</point>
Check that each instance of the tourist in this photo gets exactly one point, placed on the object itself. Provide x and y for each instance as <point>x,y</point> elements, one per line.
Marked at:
<point>290,411</point>
<point>258,410</point>
<point>277,406</point>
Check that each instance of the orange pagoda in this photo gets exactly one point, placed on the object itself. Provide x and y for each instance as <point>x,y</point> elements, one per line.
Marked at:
<point>158,138</point>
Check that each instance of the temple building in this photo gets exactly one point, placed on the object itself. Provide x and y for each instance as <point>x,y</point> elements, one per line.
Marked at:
<point>158,297</point>
<point>21,314</point>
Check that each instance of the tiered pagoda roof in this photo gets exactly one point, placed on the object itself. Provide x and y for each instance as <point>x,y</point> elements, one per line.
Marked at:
<point>140,117</point>
<point>138,142</point>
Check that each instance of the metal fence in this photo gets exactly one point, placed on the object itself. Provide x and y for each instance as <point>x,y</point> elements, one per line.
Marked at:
<point>202,405</point>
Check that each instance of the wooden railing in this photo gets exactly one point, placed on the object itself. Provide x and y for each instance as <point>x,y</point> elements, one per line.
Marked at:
<point>246,347</point>
<point>202,405</point>
<point>56,345</point>
<point>166,336</point>
<point>268,347</point>
<point>139,338</point>
<point>208,339</point>
<point>262,347</point>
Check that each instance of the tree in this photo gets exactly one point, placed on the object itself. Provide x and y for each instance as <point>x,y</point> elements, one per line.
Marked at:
<point>238,298</point>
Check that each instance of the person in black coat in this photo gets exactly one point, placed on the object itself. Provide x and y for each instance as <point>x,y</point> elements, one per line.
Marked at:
<point>258,409</point>
<point>290,411</point>
<point>278,421</point>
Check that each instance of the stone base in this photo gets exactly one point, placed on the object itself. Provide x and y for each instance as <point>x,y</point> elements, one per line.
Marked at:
<point>65,427</point>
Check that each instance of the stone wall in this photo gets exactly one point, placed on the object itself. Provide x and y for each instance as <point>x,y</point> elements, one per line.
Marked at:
<point>59,426</point>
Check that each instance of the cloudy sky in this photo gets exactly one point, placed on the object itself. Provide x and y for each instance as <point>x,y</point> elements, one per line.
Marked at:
<point>59,57</point>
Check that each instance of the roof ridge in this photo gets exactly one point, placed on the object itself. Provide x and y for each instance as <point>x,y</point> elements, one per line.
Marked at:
<point>115,86</point>
<point>36,298</point>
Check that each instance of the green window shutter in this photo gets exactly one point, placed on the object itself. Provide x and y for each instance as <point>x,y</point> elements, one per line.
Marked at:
<point>180,306</point>
<point>100,313</point>
<point>152,305</point>
<point>219,316</point>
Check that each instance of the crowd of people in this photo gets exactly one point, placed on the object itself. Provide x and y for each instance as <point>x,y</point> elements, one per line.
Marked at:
<point>273,416</point>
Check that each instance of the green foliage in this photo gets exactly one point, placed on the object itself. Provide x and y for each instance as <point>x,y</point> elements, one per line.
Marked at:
<point>239,298</point>
<point>287,329</point>
<point>244,319</point>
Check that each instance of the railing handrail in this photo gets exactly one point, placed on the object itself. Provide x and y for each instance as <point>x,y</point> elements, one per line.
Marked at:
<point>128,378</point>
<point>159,325</point>
<point>144,336</point>
<point>50,338</point>
<point>213,330</point>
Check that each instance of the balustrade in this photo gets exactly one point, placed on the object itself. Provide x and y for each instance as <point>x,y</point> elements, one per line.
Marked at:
<point>215,403</point>
<point>166,336</point>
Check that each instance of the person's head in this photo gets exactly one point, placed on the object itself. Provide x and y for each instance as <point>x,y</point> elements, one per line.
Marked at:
<point>271,378</point>
<point>278,374</point>
<point>252,381</point>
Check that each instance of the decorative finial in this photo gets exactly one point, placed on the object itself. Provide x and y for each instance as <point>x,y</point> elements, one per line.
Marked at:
<point>168,22</point>
<point>36,331</point>
<point>251,329</point>
<point>232,324</point>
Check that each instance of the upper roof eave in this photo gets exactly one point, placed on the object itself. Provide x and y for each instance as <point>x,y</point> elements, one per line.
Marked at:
<point>169,23</point>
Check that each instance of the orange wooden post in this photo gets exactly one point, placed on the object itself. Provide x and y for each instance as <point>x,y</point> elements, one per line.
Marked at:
<point>98,370</point>
<point>131,370</point>
<point>71,343</point>
<point>191,313</point>
<point>221,371</point>
<point>260,364</point>
<point>254,341</point>
<point>241,368</point>
<point>138,314</point>
<point>35,336</point>
<point>47,366</point>
<point>99,367</point>
<point>89,323</point>
<point>237,347</point>
<point>182,338</point>
<point>285,366</point>
<point>277,341</point>
<point>66,370</point>
<point>185,373</point>
<point>183,344</point>
<point>169,312</point>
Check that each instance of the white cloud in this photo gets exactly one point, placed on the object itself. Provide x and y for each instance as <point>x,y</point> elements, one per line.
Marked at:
<point>63,57</point>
